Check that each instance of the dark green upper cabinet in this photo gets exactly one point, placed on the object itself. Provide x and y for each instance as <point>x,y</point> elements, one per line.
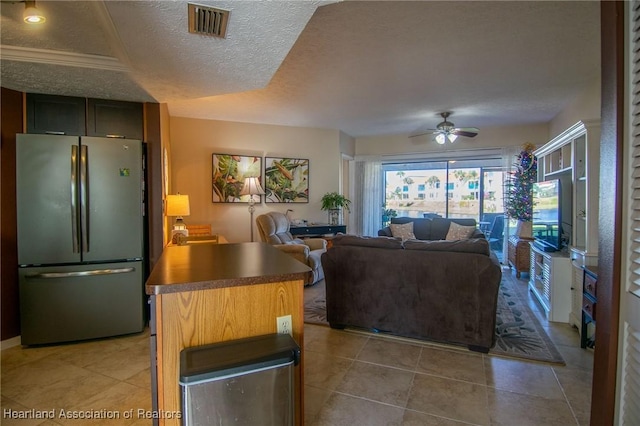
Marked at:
<point>51,114</point>
<point>115,119</point>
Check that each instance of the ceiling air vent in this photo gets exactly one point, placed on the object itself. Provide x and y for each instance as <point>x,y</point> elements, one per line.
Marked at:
<point>207,20</point>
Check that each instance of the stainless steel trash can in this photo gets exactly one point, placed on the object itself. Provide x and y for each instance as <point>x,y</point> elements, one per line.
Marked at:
<point>241,382</point>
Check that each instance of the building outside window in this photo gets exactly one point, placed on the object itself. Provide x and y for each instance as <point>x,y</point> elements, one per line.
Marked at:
<point>464,188</point>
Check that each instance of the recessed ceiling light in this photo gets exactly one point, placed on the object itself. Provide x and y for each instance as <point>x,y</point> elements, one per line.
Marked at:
<point>31,14</point>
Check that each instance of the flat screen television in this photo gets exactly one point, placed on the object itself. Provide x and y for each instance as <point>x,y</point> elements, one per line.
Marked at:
<point>547,215</point>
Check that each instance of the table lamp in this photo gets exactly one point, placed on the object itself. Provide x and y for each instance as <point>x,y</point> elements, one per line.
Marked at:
<point>252,187</point>
<point>178,206</point>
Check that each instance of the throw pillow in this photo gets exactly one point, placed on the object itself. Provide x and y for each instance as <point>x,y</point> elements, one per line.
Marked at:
<point>403,231</point>
<point>459,232</point>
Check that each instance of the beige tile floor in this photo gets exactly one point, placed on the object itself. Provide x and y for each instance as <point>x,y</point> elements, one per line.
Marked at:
<point>354,378</point>
<point>351,378</point>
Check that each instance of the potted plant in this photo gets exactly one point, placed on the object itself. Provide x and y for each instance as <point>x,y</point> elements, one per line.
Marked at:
<point>518,202</point>
<point>387,215</point>
<point>334,203</point>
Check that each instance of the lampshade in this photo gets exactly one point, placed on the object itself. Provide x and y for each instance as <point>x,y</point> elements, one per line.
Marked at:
<point>252,187</point>
<point>177,205</point>
<point>31,14</point>
<point>443,138</point>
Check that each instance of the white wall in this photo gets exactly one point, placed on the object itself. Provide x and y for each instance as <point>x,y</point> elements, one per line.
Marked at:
<point>193,141</point>
<point>165,146</point>
<point>489,137</point>
<point>586,106</point>
<point>347,145</point>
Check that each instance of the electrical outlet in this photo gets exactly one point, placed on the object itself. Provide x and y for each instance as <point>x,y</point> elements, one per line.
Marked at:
<point>284,325</point>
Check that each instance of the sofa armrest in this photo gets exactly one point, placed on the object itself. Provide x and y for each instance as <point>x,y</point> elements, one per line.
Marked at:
<point>385,232</point>
<point>478,234</point>
<point>299,251</point>
<point>316,243</point>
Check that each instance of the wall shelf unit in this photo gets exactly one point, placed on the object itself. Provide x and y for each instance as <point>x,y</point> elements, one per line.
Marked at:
<point>550,283</point>
<point>574,157</point>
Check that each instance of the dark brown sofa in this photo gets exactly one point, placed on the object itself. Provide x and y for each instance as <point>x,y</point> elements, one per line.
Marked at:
<point>435,290</point>
<point>435,228</point>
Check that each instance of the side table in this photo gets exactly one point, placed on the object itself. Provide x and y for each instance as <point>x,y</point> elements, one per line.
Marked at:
<point>519,254</point>
<point>589,302</point>
<point>317,230</point>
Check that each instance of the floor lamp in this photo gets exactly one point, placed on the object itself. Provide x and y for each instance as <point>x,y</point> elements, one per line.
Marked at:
<point>252,187</point>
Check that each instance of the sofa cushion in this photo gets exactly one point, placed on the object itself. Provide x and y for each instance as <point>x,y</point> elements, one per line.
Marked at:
<point>472,245</point>
<point>459,232</point>
<point>378,242</point>
<point>440,226</point>
<point>385,232</point>
<point>421,227</point>
<point>403,231</point>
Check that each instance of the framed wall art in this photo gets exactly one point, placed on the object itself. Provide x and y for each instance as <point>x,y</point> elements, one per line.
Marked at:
<point>229,172</point>
<point>286,180</point>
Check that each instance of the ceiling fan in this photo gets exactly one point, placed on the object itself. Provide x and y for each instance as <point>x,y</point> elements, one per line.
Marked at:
<point>446,131</point>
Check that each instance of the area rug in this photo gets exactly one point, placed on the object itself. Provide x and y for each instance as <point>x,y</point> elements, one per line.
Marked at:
<point>315,311</point>
<point>518,331</point>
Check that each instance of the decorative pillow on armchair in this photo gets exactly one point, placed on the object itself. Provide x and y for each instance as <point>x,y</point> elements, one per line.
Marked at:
<point>403,231</point>
<point>459,232</point>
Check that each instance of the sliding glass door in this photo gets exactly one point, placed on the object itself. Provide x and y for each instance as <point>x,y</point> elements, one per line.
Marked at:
<point>414,192</point>
<point>456,189</point>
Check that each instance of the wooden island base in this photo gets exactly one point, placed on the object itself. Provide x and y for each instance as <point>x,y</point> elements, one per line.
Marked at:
<point>226,297</point>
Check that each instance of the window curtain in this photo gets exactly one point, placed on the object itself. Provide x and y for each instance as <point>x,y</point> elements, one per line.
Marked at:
<point>369,198</point>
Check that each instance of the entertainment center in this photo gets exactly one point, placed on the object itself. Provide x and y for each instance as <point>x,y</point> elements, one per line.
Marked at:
<point>570,161</point>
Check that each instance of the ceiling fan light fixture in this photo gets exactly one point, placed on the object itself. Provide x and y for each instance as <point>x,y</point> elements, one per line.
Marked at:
<point>31,13</point>
<point>446,131</point>
<point>444,137</point>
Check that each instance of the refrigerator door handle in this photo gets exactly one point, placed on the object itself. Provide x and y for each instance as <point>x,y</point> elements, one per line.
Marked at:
<point>84,202</point>
<point>81,273</point>
<point>74,197</point>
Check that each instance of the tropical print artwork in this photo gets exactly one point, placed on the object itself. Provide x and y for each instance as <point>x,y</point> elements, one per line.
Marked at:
<point>287,180</point>
<point>229,173</point>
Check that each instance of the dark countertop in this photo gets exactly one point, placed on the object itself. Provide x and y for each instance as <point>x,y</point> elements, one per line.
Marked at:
<point>206,266</point>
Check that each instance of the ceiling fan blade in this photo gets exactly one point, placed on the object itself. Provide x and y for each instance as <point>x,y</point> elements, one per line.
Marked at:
<point>469,132</point>
<point>468,129</point>
<point>422,133</point>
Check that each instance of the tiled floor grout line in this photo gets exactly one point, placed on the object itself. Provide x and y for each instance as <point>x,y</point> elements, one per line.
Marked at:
<point>414,370</point>
<point>397,406</point>
<point>563,337</point>
<point>399,352</point>
<point>413,378</point>
<point>573,412</point>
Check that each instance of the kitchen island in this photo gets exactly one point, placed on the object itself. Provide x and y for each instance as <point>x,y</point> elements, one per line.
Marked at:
<point>209,293</point>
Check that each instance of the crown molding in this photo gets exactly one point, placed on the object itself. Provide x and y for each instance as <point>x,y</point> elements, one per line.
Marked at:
<point>58,57</point>
<point>103,18</point>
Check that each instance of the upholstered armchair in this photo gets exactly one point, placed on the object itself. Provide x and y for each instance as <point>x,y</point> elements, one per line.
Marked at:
<point>274,229</point>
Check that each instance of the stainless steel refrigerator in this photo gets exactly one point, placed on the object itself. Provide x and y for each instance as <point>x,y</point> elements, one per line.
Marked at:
<point>80,237</point>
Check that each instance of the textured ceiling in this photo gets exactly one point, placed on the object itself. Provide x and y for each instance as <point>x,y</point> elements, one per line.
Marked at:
<point>366,68</point>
